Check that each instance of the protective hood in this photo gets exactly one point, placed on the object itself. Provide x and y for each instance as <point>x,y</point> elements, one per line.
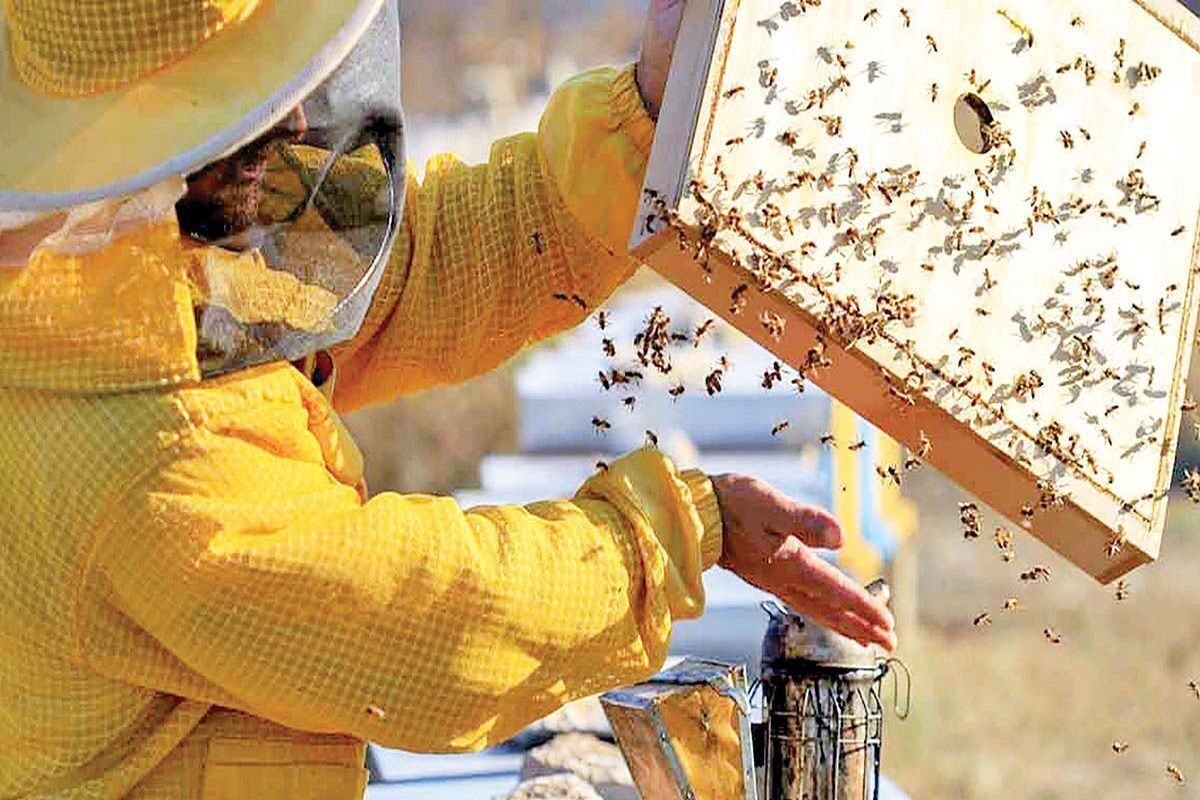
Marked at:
<point>270,252</point>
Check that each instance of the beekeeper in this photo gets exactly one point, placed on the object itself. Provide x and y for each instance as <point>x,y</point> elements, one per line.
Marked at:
<point>211,248</point>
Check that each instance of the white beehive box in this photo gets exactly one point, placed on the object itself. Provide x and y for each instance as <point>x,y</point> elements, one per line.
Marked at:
<point>816,180</point>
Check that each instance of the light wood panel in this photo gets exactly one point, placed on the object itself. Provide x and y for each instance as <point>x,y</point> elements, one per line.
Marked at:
<point>1029,310</point>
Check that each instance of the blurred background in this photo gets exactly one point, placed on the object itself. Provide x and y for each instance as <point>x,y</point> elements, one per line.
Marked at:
<point>997,711</point>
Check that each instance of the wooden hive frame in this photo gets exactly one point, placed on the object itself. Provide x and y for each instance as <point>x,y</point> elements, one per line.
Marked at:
<point>1105,534</point>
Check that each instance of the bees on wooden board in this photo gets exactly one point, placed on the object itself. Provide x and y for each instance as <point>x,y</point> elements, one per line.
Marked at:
<point>1037,573</point>
<point>1006,543</point>
<point>563,297</point>
<point>968,515</point>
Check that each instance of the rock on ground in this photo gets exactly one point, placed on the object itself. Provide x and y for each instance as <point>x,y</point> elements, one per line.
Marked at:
<point>597,762</point>
<point>563,786</point>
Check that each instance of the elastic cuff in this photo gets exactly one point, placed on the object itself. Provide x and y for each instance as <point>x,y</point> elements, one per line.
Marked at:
<point>629,112</point>
<point>705,499</point>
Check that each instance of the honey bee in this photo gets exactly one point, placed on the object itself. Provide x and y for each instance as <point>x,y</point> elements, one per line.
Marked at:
<point>933,92</point>
<point>571,298</point>
<point>1122,591</point>
<point>676,392</point>
<point>780,428</point>
<point>983,620</point>
<point>602,466</point>
<point>932,43</point>
<point>1052,636</point>
<point>629,402</point>
<point>968,515</point>
<point>602,320</point>
<point>734,92</point>
<point>1038,573</point>
<point>1119,746</point>
<point>712,383</point>
<point>605,381</point>
<point>1005,541</point>
<point>652,439</point>
<point>871,15</point>
<point>828,440</point>
<point>859,445</point>
<point>1195,687</point>
<point>924,447</point>
<point>1175,773</point>
<point>1012,605</point>
<point>736,141</point>
<point>1068,141</point>
<point>1179,231</point>
<point>833,124</point>
<point>927,267</point>
<point>907,17</point>
<point>1077,22</point>
<point>1141,151</point>
<point>610,348</point>
<point>538,244</point>
<point>600,425</point>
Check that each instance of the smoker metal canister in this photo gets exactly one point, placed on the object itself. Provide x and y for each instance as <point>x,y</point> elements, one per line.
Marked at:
<point>822,712</point>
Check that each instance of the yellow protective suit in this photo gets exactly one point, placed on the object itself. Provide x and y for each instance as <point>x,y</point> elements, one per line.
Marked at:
<point>198,598</point>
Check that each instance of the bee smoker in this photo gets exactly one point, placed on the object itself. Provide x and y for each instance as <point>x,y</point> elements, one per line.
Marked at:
<point>822,710</point>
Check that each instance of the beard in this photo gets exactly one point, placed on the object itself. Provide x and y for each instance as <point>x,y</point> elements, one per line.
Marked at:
<point>223,199</point>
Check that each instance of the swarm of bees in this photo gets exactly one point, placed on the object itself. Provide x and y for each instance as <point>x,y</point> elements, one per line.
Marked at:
<point>832,189</point>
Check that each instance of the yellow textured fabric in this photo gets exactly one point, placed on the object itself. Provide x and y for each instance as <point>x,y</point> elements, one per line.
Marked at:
<point>198,599</point>
<point>79,47</point>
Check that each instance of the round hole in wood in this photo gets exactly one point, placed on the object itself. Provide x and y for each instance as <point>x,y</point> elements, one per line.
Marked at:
<point>972,117</point>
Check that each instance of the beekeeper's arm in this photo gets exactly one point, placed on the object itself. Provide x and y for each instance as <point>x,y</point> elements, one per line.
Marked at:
<point>250,573</point>
<point>260,581</point>
<point>484,249</point>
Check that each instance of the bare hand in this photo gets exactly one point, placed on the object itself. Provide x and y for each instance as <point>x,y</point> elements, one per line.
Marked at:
<point>658,45</point>
<point>768,541</point>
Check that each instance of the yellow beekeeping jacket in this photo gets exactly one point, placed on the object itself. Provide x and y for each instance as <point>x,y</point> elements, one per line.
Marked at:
<point>198,599</point>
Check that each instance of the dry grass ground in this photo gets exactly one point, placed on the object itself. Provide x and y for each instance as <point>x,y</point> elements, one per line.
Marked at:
<point>1000,713</point>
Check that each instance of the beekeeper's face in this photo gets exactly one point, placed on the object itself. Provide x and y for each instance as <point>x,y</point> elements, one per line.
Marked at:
<point>222,199</point>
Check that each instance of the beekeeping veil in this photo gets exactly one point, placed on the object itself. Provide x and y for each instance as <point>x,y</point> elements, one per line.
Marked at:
<point>274,137</point>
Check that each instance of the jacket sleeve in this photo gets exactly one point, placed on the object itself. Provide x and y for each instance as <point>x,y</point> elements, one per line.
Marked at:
<point>484,249</point>
<point>263,583</point>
